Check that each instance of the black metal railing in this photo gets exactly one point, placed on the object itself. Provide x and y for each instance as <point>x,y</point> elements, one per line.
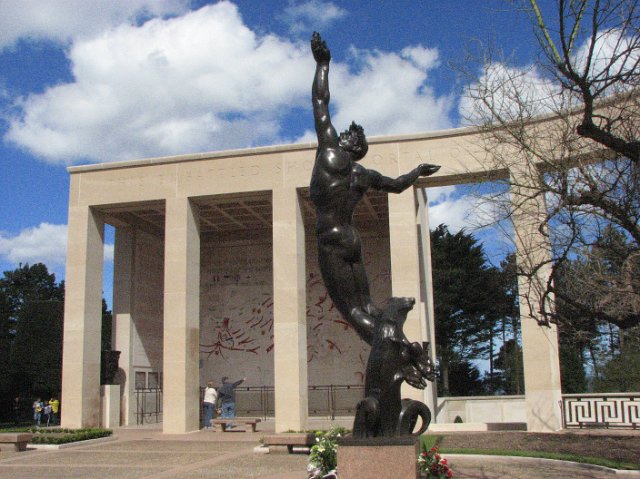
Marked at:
<point>148,405</point>
<point>613,410</point>
<point>329,400</point>
<point>334,399</point>
<point>255,401</point>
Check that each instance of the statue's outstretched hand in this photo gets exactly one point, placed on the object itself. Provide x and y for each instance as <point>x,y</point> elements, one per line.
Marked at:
<point>422,362</point>
<point>417,367</point>
<point>414,377</point>
<point>426,169</point>
<point>321,53</point>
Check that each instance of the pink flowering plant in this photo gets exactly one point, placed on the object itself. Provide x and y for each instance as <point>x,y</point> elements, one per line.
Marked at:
<point>434,466</point>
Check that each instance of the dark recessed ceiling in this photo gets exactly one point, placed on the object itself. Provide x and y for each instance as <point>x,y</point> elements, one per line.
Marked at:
<point>240,214</point>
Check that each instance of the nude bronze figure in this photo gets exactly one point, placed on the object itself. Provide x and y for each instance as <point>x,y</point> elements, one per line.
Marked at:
<point>338,183</point>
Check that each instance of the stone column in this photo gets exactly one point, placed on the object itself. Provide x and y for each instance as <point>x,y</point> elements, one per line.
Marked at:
<point>426,284</point>
<point>110,407</point>
<point>289,312</point>
<point>539,342</point>
<point>405,268</point>
<point>80,399</point>
<point>123,319</point>
<point>181,393</point>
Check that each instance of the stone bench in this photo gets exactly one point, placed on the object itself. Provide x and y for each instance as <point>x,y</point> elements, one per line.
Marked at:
<point>251,421</point>
<point>18,439</point>
<point>290,440</point>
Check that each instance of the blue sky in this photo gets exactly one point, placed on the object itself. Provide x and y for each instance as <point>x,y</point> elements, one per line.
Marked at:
<point>89,81</point>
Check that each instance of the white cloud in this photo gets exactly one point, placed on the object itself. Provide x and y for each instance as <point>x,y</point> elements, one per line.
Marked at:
<point>64,20</point>
<point>45,243</point>
<point>614,55</point>
<point>438,194</point>
<point>205,81</point>
<point>311,15</point>
<point>390,93</point>
<point>476,213</point>
<point>199,82</point>
<point>424,58</point>
<point>516,93</point>
<point>467,208</point>
<point>108,253</point>
<point>447,208</point>
<point>509,93</point>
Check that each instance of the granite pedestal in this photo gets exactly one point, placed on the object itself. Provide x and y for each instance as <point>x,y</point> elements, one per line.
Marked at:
<point>365,458</point>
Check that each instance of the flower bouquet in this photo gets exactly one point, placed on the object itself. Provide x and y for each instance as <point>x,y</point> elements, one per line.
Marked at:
<point>433,466</point>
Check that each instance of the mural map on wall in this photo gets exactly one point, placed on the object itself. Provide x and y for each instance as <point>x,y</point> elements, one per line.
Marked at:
<point>236,325</point>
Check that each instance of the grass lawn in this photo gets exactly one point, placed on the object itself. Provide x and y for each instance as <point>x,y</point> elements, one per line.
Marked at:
<point>610,450</point>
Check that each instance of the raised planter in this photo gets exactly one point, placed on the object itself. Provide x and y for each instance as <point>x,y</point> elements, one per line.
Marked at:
<point>19,440</point>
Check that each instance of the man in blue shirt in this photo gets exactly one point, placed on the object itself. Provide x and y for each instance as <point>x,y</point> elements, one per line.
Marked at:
<point>227,397</point>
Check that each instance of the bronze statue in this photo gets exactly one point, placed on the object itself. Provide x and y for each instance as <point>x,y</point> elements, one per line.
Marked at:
<point>338,183</point>
<point>393,359</point>
<point>108,366</point>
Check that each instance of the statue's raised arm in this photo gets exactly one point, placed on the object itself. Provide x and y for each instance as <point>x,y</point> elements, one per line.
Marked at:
<point>338,184</point>
<point>327,135</point>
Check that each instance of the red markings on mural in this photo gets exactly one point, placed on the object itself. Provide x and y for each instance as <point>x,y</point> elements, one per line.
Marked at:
<point>333,345</point>
<point>321,301</point>
<point>240,337</point>
<point>311,353</point>
<point>344,324</point>
<point>239,316</point>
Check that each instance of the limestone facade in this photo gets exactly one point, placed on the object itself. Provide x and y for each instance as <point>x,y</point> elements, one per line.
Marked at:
<point>215,273</point>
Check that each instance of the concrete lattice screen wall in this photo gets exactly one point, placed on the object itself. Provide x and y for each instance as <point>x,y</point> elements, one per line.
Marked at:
<point>236,315</point>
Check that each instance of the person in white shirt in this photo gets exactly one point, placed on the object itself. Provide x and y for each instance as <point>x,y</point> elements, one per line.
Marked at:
<point>209,404</point>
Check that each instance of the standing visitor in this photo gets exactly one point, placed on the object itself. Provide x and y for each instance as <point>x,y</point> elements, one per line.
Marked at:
<point>47,413</point>
<point>37,411</point>
<point>227,396</point>
<point>55,407</point>
<point>209,404</point>
<point>17,410</point>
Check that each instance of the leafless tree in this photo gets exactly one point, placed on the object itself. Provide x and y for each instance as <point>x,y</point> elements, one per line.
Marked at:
<point>565,133</point>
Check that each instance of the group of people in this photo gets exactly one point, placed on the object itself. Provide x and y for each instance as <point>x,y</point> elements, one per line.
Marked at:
<point>220,402</point>
<point>46,412</point>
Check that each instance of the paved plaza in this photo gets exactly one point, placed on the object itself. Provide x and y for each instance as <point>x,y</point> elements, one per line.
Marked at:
<point>147,453</point>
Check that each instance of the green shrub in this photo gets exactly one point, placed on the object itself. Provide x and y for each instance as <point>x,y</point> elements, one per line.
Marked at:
<point>428,441</point>
<point>63,436</point>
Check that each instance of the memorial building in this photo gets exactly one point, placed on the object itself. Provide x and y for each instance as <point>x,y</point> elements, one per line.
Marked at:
<point>216,274</point>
